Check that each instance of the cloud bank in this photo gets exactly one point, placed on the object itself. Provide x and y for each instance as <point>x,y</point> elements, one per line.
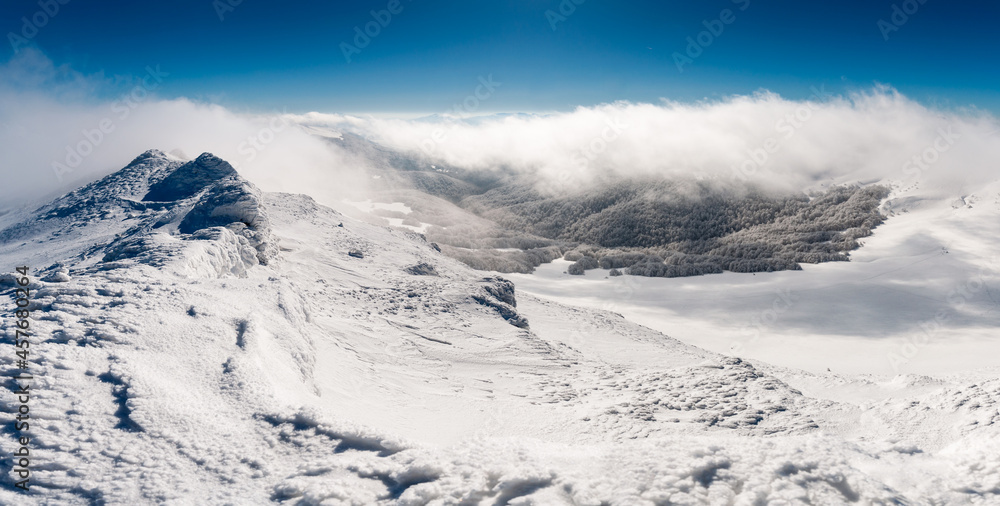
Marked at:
<point>877,134</point>
<point>61,129</point>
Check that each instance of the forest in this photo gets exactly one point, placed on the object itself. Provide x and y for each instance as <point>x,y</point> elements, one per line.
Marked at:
<point>673,228</point>
<point>503,221</point>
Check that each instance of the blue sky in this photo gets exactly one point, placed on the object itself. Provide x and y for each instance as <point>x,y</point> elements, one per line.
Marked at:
<point>548,55</point>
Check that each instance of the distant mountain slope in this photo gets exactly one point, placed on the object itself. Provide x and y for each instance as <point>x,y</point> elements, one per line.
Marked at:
<point>401,171</point>
<point>643,226</point>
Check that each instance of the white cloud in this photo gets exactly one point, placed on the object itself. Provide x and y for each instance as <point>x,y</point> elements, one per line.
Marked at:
<point>47,111</point>
<point>865,136</point>
<point>57,134</point>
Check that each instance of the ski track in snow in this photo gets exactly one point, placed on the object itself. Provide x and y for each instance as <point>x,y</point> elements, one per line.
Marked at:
<point>244,357</point>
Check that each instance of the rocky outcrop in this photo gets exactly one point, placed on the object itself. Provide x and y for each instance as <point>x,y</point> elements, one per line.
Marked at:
<point>498,294</point>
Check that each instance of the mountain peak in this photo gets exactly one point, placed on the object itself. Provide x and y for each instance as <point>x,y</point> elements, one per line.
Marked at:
<point>123,215</point>
<point>190,178</point>
<point>146,156</point>
<point>208,159</point>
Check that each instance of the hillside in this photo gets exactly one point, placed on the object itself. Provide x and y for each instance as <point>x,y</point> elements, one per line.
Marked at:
<point>507,221</point>
<point>198,341</point>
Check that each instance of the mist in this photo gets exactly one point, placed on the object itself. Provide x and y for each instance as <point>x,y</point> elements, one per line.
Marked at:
<point>62,129</point>
<point>875,134</point>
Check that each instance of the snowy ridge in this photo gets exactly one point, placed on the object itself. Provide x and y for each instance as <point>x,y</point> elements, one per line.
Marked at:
<point>214,344</point>
<point>119,216</point>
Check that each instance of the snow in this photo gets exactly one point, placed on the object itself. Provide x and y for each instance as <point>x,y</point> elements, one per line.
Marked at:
<point>368,206</point>
<point>177,368</point>
<point>919,297</point>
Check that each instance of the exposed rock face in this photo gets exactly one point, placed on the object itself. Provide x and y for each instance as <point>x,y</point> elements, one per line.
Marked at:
<point>190,179</point>
<point>230,202</point>
<point>422,269</point>
<point>498,294</point>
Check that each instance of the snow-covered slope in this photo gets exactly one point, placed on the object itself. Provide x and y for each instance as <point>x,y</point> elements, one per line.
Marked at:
<point>201,342</point>
<point>920,297</point>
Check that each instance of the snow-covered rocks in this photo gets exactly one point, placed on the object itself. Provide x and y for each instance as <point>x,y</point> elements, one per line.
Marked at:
<point>190,179</point>
<point>228,201</point>
<point>498,294</point>
<point>156,211</point>
<point>58,275</point>
<point>422,269</point>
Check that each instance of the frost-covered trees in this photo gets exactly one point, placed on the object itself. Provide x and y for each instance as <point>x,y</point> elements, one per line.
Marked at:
<point>583,264</point>
<point>669,229</point>
<point>503,261</point>
<point>499,220</point>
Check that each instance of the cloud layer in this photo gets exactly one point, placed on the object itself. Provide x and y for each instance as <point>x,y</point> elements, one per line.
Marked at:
<point>61,129</point>
<point>58,132</point>
<point>872,135</point>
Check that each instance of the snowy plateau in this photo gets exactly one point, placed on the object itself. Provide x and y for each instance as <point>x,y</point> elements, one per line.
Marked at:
<point>199,341</point>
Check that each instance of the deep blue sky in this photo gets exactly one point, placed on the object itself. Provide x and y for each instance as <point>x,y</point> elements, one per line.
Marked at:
<point>270,55</point>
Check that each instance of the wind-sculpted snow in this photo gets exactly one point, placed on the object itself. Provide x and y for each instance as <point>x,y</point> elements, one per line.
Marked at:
<point>166,376</point>
<point>236,206</point>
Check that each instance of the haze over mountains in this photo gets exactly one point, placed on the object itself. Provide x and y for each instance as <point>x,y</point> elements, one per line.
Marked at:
<point>869,135</point>
<point>650,226</point>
